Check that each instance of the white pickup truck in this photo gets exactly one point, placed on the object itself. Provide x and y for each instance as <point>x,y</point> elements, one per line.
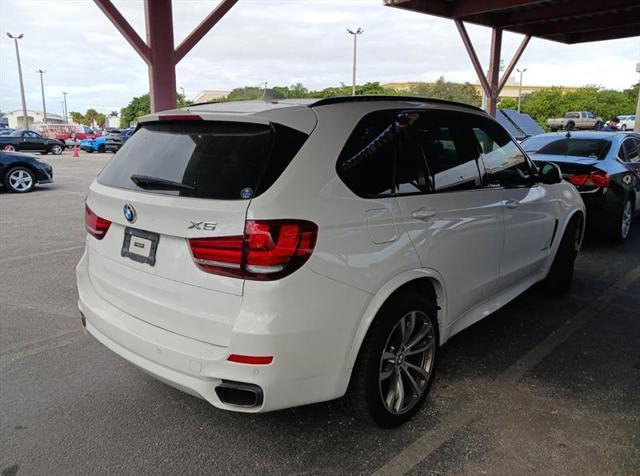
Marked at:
<point>575,120</point>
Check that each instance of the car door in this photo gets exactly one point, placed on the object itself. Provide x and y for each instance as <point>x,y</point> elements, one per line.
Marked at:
<point>32,141</point>
<point>529,218</point>
<point>456,226</point>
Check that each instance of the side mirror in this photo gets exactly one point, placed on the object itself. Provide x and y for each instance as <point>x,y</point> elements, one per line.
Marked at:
<point>550,174</point>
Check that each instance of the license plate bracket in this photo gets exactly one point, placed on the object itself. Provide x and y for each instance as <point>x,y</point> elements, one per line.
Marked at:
<point>140,245</point>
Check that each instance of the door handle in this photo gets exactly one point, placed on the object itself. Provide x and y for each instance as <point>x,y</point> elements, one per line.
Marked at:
<point>511,204</point>
<point>423,213</point>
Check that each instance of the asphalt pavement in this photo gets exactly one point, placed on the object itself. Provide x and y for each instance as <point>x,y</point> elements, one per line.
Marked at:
<point>547,385</point>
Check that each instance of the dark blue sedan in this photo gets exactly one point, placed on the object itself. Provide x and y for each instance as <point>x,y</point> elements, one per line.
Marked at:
<point>21,172</point>
<point>604,167</point>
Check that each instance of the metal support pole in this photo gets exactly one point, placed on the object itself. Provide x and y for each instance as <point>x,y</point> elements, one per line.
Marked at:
<point>637,126</point>
<point>353,76</point>
<point>521,71</point>
<point>24,102</point>
<point>44,104</point>
<point>66,111</point>
<point>494,69</point>
<point>358,31</point>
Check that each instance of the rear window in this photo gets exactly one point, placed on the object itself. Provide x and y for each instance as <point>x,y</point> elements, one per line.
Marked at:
<point>595,148</point>
<point>218,160</point>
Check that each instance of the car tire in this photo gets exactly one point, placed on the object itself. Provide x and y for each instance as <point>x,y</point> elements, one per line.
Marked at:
<point>560,277</point>
<point>375,395</point>
<point>101,149</point>
<point>19,180</point>
<point>570,126</point>
<point>598,126</point>
<point>9,148</point>
<point>57,149</point>
<point>622,224</point>
<point>623,127</point>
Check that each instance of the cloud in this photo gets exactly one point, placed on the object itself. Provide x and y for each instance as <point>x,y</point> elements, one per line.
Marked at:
<point>279,41</point>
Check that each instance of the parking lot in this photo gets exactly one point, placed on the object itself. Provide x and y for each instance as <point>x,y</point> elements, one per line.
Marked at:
<point>548,384</point>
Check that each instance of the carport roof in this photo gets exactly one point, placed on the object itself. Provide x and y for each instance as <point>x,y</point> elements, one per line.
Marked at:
<point>565,21</point>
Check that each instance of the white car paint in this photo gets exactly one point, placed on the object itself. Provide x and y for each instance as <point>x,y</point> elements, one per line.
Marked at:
<point>180,324</point>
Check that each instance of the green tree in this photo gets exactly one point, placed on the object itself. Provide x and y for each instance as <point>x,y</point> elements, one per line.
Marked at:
<point>556,102</point>
<point>77,117</point>
<point>138,106</point>
<point>442,89</point>
<point>508,103</point>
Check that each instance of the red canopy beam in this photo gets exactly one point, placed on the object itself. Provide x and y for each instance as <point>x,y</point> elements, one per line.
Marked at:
<point>465,8</point>
<point>514,61</point>
<point>473,56</point>
<point>559,11</point>
<point>494,69</point>
<point>491,83</point>
<point>123,26</point>
<point>203,28</point>
<point>158,52</point>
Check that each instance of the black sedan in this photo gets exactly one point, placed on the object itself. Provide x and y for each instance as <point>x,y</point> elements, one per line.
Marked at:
<point>604,167</point>
<point>20,173</point>
<point>26,140</point>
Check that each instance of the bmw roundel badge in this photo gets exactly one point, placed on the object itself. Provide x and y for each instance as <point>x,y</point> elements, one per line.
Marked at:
<point>129,213</point>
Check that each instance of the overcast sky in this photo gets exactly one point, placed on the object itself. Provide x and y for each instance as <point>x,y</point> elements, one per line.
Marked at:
<point>279,41</point>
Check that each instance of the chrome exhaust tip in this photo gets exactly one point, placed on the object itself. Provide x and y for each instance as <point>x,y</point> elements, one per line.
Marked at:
<point>240,394</point>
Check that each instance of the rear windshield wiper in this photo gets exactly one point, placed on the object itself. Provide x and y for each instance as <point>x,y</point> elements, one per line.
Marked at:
<point>156,183</point>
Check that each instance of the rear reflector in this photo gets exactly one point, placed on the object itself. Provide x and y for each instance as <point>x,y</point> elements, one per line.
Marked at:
<point>250,359</point>
<point>595,179</point>
<point>95,226</point>
<point>268,250</point>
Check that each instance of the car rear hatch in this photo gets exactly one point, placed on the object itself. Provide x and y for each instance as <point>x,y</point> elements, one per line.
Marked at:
<point>170,182</point>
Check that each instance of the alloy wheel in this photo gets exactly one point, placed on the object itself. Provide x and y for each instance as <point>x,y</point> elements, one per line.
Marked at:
<point>407,362</point>
<point>9,148</point>
<point>627,216</point>
<point>20,180</point>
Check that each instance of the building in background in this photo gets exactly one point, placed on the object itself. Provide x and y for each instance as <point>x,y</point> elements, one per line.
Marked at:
<point>510,89</point>
<point>4,120</point>
<point>112,122</point>
<point>209,95</point>
<point>16,119</point>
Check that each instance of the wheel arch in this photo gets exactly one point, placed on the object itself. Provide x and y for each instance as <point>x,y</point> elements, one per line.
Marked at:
<point>424,279</point>
<point>577,214</point>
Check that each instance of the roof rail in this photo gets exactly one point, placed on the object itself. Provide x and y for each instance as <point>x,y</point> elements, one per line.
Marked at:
<point>386,97</point>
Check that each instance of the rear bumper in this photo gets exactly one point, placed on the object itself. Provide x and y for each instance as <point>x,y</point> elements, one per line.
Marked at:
<point>310,344</point>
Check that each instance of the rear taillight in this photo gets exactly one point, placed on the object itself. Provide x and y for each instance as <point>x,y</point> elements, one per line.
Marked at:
<point>595,179</point>
<point>96,226</point>
<point>268,250</point>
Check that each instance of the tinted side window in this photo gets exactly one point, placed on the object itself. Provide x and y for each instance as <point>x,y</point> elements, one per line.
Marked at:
<point>631,150</point>
<point>452,164</point>
<point>367,162</point>
<point>505,163</point>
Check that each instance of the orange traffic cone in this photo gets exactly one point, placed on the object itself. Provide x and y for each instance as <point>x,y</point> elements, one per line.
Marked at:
<point>75,151</point>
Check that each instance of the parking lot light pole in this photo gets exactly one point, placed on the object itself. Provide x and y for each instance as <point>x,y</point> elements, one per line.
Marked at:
<point>44,104</point>
<point>66,118</point>
<point>521,71</point>
<point>355,34</point>
<point>24,102</point>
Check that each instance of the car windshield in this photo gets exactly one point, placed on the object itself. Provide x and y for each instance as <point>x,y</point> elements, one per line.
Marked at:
<point>594,148</point>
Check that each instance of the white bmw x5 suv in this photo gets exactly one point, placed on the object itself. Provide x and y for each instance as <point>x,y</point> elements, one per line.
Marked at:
<point>268,254</point>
